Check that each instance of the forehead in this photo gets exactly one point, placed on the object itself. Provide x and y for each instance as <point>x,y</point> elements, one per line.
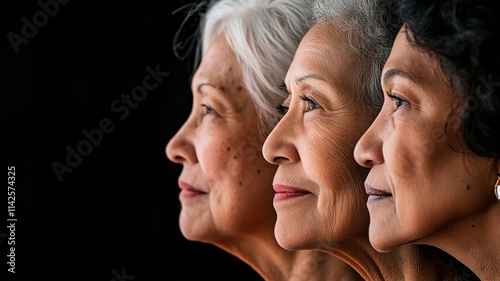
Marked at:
<point>325,51</point>
<point>421,65</point>
<point>218,68</point>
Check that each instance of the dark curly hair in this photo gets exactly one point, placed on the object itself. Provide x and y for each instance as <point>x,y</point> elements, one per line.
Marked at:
<point>464,35</point>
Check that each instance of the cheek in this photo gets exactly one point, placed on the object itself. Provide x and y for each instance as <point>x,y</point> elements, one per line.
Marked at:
<point>413,161</point>
<point>232,167</point>
<point>241,157</point>
<point>214,158</point>
<point>340,179</point>
<point>408,153</point>
<point>403,155</point>
<point>223,157</point>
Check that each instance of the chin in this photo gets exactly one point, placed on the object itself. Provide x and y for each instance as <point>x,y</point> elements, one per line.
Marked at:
<point>197,235</point>
<point>188,232</point>
<point>286,244</point>
<point>190,237</point>
<point>193,230</point>
<point>288,238</point>
<point>380,247</point>
<point>383,242</point>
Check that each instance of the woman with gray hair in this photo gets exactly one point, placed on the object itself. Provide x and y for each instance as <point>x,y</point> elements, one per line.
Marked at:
<point>226,185</point>
<point>334,94</point>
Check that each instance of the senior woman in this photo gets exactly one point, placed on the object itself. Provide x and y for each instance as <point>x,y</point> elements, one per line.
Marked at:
<point>333,96</point>
<point>434,149</point>
<point>226,185</point>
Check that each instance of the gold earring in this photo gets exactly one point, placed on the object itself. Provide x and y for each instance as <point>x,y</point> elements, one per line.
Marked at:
<point>497,188</point>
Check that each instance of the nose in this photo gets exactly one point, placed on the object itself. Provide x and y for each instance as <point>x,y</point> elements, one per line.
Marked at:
<point>368,151</point>
<point>279,147</point>
<point>180,149</point>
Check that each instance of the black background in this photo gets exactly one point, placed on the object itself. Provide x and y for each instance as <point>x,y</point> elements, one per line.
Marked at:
<point>118,209</point>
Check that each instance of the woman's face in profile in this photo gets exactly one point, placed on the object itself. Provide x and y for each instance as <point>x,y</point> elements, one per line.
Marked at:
<point>320,199</point>
<point>421,177</point>
<point>225,182</point>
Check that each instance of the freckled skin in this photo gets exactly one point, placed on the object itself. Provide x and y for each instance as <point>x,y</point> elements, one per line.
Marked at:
<point>408,148</point>
<point>217,151</point>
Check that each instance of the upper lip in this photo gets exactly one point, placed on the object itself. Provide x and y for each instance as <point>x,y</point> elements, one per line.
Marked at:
<point>186,186</point>
<point>281,188</point>
<point>370,190</point>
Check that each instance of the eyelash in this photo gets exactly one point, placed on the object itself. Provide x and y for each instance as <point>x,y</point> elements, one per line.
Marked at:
<point>398,100</point>
<point>208,109</point>
<point>312,103</point>
<point>283,109</point>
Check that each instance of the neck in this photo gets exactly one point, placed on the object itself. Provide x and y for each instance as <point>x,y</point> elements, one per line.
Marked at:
<point>474,241</point>
<point>274,263</point>
<point>410,262</point>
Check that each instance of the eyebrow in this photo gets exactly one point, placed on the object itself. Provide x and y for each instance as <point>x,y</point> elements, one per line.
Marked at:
<point>395,72</point>
<point>198,88</point>
<point>299,80</point>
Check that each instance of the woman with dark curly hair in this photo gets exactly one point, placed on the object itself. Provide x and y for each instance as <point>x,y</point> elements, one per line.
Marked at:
<point>434,149</point>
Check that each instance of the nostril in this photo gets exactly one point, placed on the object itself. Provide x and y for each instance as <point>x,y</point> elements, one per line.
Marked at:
<point>280,160</point>
<point>179,159</point>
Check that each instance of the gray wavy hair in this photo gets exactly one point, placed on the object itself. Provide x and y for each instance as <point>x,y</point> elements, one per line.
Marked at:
<point>371,27</point>
<point>264,35</point>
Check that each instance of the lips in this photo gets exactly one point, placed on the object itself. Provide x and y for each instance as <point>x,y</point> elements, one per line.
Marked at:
<point>188,191</point>
<point>375,195</point>
<point>284,192</point>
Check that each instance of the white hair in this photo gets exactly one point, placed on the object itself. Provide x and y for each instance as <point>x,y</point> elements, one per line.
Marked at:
<point>264,35</point>
<point>371,26</point>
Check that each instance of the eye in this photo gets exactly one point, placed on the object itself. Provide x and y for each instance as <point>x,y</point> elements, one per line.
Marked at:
<point>282,109</point>
<point>208,109</point>
<point>398,100</point>
<point>311,103</point>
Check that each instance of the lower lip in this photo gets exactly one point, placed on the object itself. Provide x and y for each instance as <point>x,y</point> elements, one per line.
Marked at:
<point>283,196</point>
<point>185,193</point>
<point>377,198</point>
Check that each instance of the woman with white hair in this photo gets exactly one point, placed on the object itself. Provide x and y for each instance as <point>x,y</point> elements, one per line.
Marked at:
<point>226,185</point>
<point>333,95</point>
